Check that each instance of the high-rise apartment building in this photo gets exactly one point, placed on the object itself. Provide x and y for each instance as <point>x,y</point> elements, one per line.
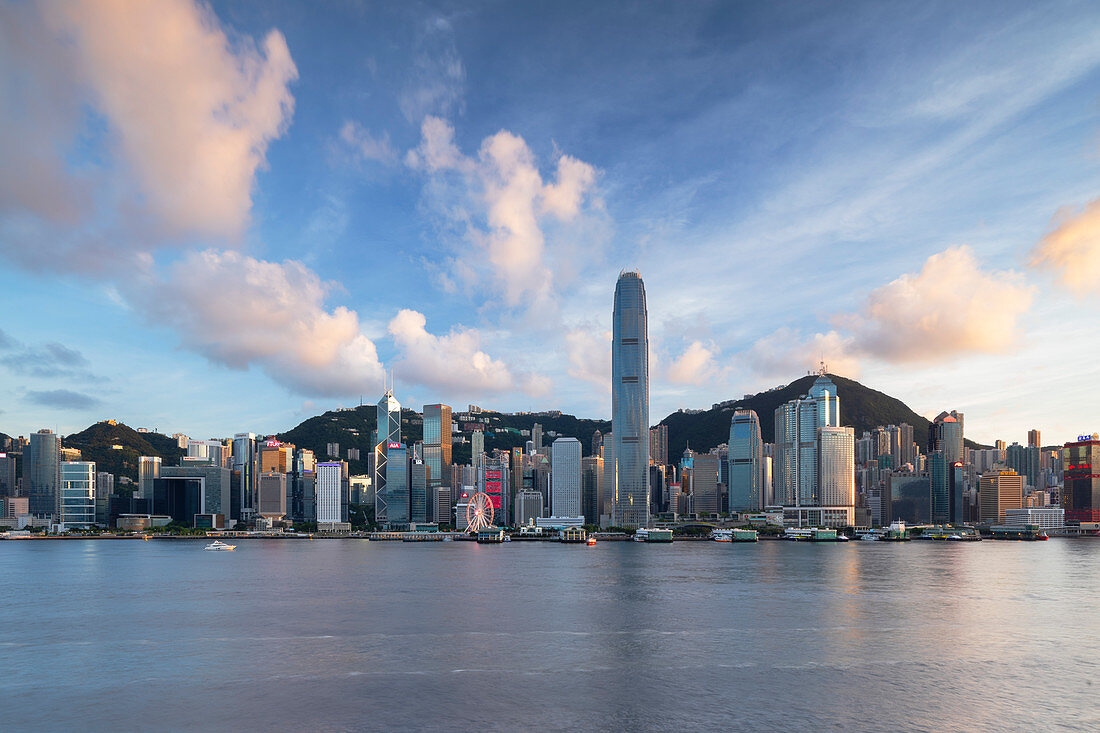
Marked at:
<point>536,437</point>
<point>1034,439</point>
<point>565,476</point>
<point>76,502</point>
<point>1081,480</point>
<point>745,458</point>
<point>630,402</point>
<point>836,467</point>
<point>999,491</point>
<point>148,472</point>
<point>658,445</point>
<point>437,443</point>
<point>597,443</point>
<point>42,472</point>
<point>388,434</point>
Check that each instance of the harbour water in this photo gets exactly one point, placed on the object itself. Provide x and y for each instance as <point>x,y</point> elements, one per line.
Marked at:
<point>352,635</point>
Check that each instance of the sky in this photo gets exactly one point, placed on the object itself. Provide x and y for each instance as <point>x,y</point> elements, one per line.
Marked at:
<point>230,217</point>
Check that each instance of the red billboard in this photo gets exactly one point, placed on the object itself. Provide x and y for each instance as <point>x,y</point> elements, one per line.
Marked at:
<point>493,480</point>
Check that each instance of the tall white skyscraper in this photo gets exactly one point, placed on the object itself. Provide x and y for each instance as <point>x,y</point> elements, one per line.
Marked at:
<point>630,402</point>
<point>565,478</point>
<point>329,505</point>
<point>389,432</point>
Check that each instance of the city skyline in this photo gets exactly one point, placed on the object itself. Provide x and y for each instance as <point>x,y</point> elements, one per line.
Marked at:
<point>397,197</point>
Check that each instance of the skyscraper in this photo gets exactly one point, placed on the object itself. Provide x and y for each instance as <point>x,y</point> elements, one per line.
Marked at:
<point>244,477</point>
<point>592,477</point>
<point>999,491</point>
<point>477,447</point>
<point>704,483</point>
<point>536,437</point>
<point>1034,439</point>
<point>388,431</point>
<point>328,492</point>
<point>745,472</point>
<point>946,434</point>
<point>565,475</point>
<point>1081,493</point>
<point>42,472</point>
<point>658,444</point>
<point>814,463</point>
<point>76,504</point>
<point>420,478</point>
<point>630,402</point>
<point>437,443</point>
<point>394,495</point>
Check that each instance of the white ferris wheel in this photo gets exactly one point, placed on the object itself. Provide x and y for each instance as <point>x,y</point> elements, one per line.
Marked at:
<point>479,512</point>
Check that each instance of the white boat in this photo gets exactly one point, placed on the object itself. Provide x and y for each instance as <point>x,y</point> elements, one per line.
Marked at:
<point>722,535</point>
<point>870,537</point>
<point>218,546</point>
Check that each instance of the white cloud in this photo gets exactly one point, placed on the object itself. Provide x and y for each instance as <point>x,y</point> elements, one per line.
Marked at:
<point>365,145</point>
<point>786,352</point>
<point>1072,248</point>
<point>589,352</point>
<point>502,206</point>
<point>695,366</point>
<point>436,77</point>
<point>454,362</point>
<point>242,312</point>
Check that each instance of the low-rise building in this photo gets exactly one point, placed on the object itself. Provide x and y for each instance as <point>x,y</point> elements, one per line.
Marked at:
<point>1042,517</point>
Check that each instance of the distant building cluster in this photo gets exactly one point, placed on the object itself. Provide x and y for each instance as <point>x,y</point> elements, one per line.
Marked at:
<point>815,473</point>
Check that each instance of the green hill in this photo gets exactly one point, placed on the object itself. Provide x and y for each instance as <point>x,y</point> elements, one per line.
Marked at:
<point>861,407</point>
<point>98,443</point>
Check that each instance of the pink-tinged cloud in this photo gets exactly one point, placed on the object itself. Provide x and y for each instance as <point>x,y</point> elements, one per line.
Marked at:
<point>243,312</point>
<point>1072,249</point>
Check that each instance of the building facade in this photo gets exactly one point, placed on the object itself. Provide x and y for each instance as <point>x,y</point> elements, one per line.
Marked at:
<point>329,502</point>
<point>998,492</point>
<point>437,443</point>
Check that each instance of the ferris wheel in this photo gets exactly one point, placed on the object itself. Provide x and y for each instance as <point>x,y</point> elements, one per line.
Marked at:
<point>479,512</point>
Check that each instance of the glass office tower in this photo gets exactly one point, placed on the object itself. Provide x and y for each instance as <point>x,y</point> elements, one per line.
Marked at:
<point>630,402</point>
<point>745,451</point>
<point>388,431</point>
<point>42,472</point>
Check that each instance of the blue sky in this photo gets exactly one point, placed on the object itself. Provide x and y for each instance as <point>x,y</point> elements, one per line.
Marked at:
<point>231,217</point>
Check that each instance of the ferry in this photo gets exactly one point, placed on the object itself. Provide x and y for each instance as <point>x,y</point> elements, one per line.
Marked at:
<point>653,535</point>
<point>734,535</point>
<point>1027,533</point>
<point>217,546</point>
<point>811,534</point>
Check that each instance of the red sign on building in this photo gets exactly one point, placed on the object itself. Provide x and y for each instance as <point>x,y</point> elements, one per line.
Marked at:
<point>493,487</point>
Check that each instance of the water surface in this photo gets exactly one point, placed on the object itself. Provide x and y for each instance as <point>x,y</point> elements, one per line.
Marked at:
<point>345,635</point>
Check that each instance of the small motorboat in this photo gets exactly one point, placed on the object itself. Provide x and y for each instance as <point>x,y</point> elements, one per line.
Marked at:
<point>591,542</point>
<point>219,546</point>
